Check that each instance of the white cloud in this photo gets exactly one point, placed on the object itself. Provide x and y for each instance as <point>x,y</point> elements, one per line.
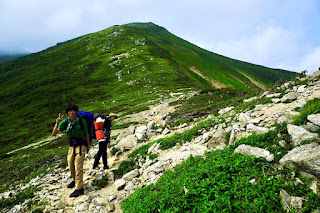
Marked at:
<point>310,62</point>
<point>270,44</point>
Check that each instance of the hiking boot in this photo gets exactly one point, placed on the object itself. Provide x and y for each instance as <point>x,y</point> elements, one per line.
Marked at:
<point>94,166</point>
<point>71,185</point>
<point>106,167</point>
<point>77,192</point>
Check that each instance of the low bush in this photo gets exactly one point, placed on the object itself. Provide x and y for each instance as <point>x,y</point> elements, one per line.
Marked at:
<point>101,183</point>
<point>312,107</point>
<point>18,198</point>
<point>220,182</point>
<point>124,167</point>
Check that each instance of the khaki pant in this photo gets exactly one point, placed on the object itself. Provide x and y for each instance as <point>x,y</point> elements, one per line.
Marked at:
<point>75,162</point>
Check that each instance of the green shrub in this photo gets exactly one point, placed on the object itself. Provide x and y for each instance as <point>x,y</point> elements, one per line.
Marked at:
<point>122,126</point>
<point>100,183</point>
<point>124,167</point>
<point>312,107</point>
<point>219,183</point>
<point>180,121</point>
<point>18,198</point>
<point>114,151</point>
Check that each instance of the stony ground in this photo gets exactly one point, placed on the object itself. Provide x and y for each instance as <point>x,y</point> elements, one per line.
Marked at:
<point>56,193</point>
<point>108,199</point>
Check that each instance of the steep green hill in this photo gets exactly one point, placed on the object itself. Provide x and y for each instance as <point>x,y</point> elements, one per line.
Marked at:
<point>118,69</point>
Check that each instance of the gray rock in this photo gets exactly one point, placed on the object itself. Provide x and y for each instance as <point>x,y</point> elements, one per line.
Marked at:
<point>282,143</point>
<point>130,187</point>
<point>274,95</point>
<point>165,131</point>
<point>250,99</point>
<point>289,202</point>
<point>151,125</point>
<point>299,134</point>
<point>259,130</point>
<point>154,148</point>
<point>311,127</point>
<point>255,121</point>
<point>314,187</point>
<point>249,150</point>
<point>111,207</point>
<point>159,131</point>
<point>217,139</point>
<point>244,118</point>
<point>141,132</point>
<point>301,89</point>
<point>314,118</point>
<point>83,207</point>
<point>16,209</point>
<point>110,176</point>
<point>127,143</point>
<point>225,110</point>
<point>99,201</point>
<point>120,184</point>
<point>130,175</point>
<point>289,97</point>
<point>306,158</point>
<point>270,158</point>
<point>276,100</point>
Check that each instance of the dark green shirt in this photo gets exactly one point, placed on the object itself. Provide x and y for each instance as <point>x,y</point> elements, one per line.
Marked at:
<point>74,128</point>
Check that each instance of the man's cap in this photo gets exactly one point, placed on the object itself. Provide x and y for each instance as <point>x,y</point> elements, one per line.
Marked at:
<point>112,114</point>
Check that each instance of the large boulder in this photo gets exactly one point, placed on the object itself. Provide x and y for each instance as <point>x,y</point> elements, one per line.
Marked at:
<point>120,184</point>
<point>299,134</point>
<point>257,129</point>
<point>244,118</point>
<point>289,97</point>
<point>125,133</point>
<point>127,143</point>
<point>218,139</point>
<point>306,158</point>
<point>130,175</point>
<point>141,132</point>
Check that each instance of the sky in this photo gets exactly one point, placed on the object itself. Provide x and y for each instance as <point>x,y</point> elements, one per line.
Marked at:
<point>281,34</point>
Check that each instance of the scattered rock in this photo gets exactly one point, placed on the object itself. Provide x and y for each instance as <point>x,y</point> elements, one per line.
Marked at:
<point>120,184</point>
<point>314,118</point>
<point>289,97</point>
<point>299,134</point>
<point>306,158</point>
<point>249,150</point>
<point>127,143</point>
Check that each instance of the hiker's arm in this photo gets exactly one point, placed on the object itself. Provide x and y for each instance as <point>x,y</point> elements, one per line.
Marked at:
<point>55,128</point>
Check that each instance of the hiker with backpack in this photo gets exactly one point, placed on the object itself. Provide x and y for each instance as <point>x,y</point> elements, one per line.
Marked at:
<point>103,138</point>
<point>79,141</point>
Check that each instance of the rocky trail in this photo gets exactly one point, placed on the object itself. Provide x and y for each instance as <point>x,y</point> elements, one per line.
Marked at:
<point>258,120</point>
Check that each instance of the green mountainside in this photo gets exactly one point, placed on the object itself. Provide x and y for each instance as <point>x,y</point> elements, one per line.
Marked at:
<point>118,69</point>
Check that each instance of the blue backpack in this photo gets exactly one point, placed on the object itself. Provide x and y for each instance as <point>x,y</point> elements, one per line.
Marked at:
<point>88,116</point>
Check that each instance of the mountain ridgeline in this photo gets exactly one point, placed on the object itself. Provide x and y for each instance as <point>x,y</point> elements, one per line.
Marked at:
<point>118,69</point>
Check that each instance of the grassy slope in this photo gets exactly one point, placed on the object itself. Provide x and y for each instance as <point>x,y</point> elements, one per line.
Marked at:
<point>4,58</point>
<point>37,87</point>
